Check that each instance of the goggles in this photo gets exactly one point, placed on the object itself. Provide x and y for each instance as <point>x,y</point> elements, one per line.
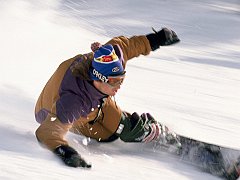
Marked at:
<point>114,81</point>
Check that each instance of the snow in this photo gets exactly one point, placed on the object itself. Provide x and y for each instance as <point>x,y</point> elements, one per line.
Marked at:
<point>193,87</point>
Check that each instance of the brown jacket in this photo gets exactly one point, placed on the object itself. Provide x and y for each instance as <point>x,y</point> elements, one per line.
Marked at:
<point>105,113</point>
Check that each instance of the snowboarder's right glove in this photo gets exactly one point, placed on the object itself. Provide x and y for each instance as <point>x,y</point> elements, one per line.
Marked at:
<point>71,157</point>
<point>163,37</point>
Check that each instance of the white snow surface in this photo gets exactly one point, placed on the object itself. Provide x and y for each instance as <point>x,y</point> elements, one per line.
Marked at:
<point>193,87</point>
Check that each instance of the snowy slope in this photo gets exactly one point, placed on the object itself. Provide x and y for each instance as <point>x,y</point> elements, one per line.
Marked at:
<point>193,87</point>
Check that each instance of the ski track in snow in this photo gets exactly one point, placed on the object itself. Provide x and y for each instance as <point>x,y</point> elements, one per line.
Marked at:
<point>193,87</point>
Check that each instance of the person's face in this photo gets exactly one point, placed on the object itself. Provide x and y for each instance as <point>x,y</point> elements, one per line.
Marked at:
<point>111,87</point>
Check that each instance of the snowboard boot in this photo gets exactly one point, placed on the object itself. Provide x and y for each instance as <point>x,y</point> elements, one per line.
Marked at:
<point>169,140</point>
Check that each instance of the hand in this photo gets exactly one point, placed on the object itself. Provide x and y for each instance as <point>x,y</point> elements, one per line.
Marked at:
<point>135,128</point>
<point>163,37</point>
<point>76,161</point>
<point>167,37</point>
<point>154,127</point>
<point>71,157</point>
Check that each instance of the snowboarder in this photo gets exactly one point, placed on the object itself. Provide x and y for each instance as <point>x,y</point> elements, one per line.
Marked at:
<point>78,97</point>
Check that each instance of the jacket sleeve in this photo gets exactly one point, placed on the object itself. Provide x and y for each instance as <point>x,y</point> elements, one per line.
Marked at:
<point>132,47</point>
<point>51,132</point>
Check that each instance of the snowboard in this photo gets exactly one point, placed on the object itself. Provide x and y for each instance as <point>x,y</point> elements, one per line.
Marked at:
<point>217,160</point>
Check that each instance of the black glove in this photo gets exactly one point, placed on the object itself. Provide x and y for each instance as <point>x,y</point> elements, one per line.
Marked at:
<point>163,37</point>
<point>135,128</point>
<point>71,157</point>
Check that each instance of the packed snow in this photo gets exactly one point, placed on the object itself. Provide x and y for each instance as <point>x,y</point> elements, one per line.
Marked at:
<point>193,87</point>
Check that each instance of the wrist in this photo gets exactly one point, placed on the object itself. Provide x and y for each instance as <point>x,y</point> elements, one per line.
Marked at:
<point>65,151</point>
<point>153,41</point>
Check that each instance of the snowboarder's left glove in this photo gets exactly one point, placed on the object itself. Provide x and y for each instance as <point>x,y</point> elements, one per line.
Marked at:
<point>71,157</point>
<point>163,37</point>
<point>154,127</point>
<point>135,128</point>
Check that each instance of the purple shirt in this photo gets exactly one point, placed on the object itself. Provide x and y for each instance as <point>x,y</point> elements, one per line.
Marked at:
<point>77,98</point>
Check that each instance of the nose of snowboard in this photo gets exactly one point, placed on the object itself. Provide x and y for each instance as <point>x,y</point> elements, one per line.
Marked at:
<point>233,172</point>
